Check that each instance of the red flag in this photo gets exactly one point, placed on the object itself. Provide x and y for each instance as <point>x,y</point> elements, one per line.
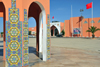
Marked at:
<point>53,17</point>
<point>89,5</point>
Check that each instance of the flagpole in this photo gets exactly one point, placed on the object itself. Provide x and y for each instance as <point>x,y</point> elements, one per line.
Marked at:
<point>92,13</point>
<point>71,21</point>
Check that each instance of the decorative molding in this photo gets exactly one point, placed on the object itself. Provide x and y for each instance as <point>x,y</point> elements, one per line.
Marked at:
<point>25,39</point>
<point>48,37</point>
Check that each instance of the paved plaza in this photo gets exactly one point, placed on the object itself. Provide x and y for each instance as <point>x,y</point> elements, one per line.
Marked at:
<point>65,52</point>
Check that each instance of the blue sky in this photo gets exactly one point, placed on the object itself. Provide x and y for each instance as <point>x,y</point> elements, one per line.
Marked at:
<point>61,10</point>
<point>1,24</point>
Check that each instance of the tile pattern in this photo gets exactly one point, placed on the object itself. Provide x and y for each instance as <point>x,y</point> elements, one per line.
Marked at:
<point>25,37</point>
<point>48,37</point>
<point>13,4</point>
<point>14,37</point>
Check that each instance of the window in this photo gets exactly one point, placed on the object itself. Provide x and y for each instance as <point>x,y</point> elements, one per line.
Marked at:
<point>33,32</point>
<point>85,22</point>
<point>99,21</point>
<point>92,21</point>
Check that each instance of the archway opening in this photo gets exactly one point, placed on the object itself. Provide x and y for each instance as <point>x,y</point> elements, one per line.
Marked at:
<point>1,37</point>
<point>34,11</point>
<point>51,32</point>
<point>32,26</point>
<point>54,31</point>
<point>3,15</point>
<point>37,11</point>
<point>32,37</point>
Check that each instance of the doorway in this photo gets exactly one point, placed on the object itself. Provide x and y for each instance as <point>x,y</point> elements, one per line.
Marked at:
<point>2,14</point>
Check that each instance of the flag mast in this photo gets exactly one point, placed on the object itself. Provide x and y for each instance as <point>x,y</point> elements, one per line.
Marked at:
<point>71,21</point>
<point>81,10</point>
<point>92,13</point>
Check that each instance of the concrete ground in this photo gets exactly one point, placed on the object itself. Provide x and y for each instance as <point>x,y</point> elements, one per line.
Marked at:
<point>65,52</point>
<point>78,43</point>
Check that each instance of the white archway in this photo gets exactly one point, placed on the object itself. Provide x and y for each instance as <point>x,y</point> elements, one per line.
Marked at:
<point>42,42</point>
<point>57,25</point>
<point>54,30</point>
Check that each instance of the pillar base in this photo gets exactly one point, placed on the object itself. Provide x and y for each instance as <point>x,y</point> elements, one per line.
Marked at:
<point>41,55</point>
<point>37,53</point>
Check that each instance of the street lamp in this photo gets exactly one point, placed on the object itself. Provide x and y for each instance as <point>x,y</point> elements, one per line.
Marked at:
<point>81,10</point>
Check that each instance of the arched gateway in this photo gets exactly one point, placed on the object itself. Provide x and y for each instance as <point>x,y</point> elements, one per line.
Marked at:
<point>16,14</point>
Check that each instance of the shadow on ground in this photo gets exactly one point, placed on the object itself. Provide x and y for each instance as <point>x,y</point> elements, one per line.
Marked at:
<point>32,50</point>
<point>35,61</point>
<point>1,52</point>
<point>86,38</point>
<point>1,41</point>
<point>1,45</point>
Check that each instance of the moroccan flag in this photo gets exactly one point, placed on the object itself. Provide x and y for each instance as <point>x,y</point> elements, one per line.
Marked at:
<point>53,17</point>
<point>89,5</point>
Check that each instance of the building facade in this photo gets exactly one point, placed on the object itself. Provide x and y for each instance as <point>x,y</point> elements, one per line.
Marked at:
<point>55,27</point>
<point>77,27</point>
<point>33,30</point>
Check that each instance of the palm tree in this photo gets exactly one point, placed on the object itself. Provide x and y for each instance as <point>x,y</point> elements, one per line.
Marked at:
<point>93,30</point>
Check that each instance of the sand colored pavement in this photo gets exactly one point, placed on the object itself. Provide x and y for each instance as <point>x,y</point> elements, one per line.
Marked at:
<point>65,52</point>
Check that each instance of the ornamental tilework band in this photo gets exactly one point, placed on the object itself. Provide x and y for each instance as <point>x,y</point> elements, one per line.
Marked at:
<point>25,37</point>
<point>14,38</point>
<point>13,4</point>
<point>48,37</point>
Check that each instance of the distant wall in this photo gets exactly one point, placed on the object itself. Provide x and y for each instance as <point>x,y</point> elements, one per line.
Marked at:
<point>61,26</point>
